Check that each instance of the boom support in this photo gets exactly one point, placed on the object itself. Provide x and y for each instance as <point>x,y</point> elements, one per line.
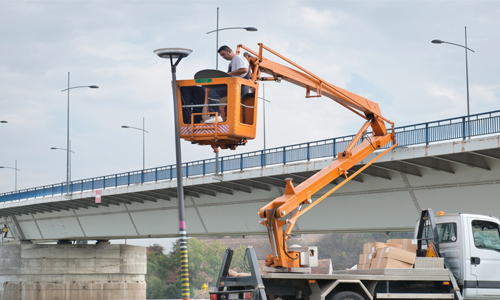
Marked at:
<point>295,197</point>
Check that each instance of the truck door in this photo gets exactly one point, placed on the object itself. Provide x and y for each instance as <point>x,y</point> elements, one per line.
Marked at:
<point>484,258</point>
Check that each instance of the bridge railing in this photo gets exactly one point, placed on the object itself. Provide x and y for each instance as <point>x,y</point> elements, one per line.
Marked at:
<point>417,134</point>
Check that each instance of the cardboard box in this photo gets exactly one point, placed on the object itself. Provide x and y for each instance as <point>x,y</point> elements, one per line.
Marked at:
<point>363,266</point>
<point>397,254</point>
<point>373,247</point>
<point>365,258</point>
<point>385,262</point>
<point>407,244</point>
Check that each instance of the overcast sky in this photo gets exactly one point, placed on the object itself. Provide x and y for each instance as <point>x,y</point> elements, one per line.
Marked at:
<point>379,49</point>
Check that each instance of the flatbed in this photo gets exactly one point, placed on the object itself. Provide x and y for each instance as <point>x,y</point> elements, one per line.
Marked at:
<point>370,274</point>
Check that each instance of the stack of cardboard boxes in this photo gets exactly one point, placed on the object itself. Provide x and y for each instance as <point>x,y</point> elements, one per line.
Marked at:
<point>396,253</point>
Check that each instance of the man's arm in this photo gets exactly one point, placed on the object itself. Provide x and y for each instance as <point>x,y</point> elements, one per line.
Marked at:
<point>240,71</point>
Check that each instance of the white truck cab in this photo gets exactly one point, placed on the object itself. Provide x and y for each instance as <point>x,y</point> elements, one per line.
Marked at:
<point>471,245</point>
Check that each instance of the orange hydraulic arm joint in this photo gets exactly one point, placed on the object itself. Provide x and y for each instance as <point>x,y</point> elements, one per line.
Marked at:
<point>285,210</point>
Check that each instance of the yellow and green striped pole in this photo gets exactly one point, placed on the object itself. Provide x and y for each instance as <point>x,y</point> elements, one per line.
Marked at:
<point>179,53</point>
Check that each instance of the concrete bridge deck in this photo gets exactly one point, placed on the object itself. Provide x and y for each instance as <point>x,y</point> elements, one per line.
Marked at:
<point>436,165</point>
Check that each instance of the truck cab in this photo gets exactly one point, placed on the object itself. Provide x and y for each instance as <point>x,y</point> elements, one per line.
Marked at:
<point>471,245</point>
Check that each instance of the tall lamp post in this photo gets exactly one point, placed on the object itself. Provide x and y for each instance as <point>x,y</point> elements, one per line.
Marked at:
<point>217,37</point>
<point>69,164</point>
<point>466,70</point>
<point>67,131</point>
<point>16,169</point>
<point>143,141</point>
<point>217,168</point>
<point>264,112</point>
<point>177,54</point>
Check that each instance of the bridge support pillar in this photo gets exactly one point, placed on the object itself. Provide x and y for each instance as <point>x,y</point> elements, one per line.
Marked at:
<point>49,271</point>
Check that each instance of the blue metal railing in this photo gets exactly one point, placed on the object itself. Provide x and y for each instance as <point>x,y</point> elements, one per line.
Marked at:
<point>423,133</point>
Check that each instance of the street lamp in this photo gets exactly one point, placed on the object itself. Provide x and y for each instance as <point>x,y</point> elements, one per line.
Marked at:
<point>217,37</point>
<point>466,69</point>
<point>264,111</point>
<point>15,168</point>
<point>217,168</point>
<point>178,54</point>
<point>69,164</point>
<point>4,122</point>
<point>143,142</point>
<point>67,131</point>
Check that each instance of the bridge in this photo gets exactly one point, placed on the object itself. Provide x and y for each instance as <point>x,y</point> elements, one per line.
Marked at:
<point>451,165</point>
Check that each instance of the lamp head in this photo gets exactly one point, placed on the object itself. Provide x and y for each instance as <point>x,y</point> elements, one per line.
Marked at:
<point>173,52</point>
<point>93,87</point>
<point>53,148</point>
<point>4,122</point>
<point>437,41</point>
<point>124,126</point>
<point>250,29</point>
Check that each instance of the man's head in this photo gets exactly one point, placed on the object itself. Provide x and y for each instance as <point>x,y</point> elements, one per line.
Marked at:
<point>226,52</point>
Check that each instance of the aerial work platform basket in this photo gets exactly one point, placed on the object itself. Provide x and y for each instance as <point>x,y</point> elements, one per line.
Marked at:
<point>234,109</point>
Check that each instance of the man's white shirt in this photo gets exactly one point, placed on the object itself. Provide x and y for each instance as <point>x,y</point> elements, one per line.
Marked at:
<point>238,62</point>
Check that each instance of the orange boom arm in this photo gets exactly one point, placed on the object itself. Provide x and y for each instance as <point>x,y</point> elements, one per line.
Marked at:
<point>295,197</point>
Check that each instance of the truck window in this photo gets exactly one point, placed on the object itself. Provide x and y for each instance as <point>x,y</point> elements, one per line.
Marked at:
<point>447,232</point>
<point>486,235</point>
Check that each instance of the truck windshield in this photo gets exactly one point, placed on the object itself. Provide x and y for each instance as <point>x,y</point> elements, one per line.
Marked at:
<point>486,235</point>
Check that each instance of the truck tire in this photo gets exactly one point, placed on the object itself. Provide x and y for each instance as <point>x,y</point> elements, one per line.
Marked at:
<point>347,296</point>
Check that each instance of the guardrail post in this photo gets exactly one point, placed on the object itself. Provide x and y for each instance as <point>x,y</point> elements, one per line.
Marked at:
<point>426,134</point>
<point>203,167</point>
<point>221,164</point>
<point>170,172</point>
<point>187,170</point>
<point>116,180</point>
<point>262,159</point>
<point>334,148</point>
<point>463,128</point>
<point>241,162</point>
<point>284,155</point>
<point>307,151</point>
<point>156,174</point>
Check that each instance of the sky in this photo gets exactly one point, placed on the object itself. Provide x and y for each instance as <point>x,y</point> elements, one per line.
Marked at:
<point>380,50</point>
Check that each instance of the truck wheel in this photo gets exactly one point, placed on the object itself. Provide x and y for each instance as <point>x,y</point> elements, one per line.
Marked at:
<point>347,296</point>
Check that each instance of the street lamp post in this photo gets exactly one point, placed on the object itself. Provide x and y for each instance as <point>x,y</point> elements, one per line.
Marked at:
<point>143,141</point>
<point>67,131</point>
<point>264,112</point>
<point>69,164</point>
<point>217,37</point>
<point>16,169</point>
<point>466,70</point>
<point>217,167</point>
<point>178,54</point>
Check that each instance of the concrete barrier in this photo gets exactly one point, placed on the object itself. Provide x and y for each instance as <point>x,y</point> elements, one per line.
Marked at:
<point>48,271</point>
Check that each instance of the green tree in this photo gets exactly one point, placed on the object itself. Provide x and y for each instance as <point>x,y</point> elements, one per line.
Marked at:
<point>204,261</point>
<point>157,262</point>
<point>154,287</point>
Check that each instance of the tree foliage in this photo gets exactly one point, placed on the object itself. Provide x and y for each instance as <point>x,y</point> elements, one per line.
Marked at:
<point>204,260</point>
